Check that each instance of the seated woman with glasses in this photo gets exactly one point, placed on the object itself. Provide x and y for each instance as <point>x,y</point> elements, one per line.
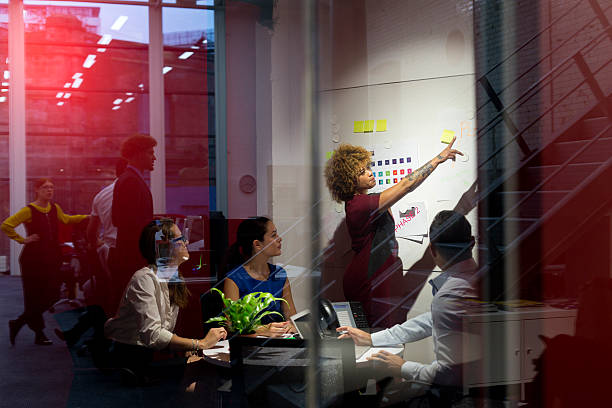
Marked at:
<point>257,241</point>
<point>150,303</point>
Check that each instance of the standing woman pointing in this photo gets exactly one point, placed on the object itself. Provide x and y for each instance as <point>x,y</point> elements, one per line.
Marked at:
<point>374,276</point>
<point>40,258</point>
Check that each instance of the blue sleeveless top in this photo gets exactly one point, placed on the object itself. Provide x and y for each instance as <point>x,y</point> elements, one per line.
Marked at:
<point>274,285</point>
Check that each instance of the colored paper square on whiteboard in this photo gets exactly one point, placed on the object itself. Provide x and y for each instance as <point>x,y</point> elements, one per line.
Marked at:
<point>447,136</point>
<point>368,125</point>
<point>358,126</point>
<point>381,125</point>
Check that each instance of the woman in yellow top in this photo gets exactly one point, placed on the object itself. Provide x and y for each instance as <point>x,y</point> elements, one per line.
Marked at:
<point>40,259</point>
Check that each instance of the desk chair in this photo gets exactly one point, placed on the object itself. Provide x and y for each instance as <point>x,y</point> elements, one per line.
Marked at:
<point>97,382</point>
<point>212,306</point>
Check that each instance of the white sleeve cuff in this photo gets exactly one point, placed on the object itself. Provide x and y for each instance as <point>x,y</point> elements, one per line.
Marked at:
<point>163,340</point>
<point>410,370</point>
<point>379,338</point>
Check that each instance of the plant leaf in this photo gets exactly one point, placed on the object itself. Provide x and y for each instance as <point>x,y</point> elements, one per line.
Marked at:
<point>245,314</point>
<point>216,319</point>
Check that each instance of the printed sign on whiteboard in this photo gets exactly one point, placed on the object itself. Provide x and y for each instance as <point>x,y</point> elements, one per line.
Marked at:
<point>410,219</point>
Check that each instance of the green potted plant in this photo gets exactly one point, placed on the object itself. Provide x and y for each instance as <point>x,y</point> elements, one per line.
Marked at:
<point>243,316</point>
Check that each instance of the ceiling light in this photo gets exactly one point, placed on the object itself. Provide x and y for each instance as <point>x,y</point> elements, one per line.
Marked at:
<point>67,95</point>
<point>2,98</point>
<point>4,90</point>
<point>59,95</point>
<point>101,50</point>
<point>77,82</point>
<point>117,101</point>
<point>130,99</point>
<point>186,55</point>
<point>166,70</point>
<point>129,93</point>
<point>116,107</point>
<point>195,47</point>
<point>67,84</point>
<point>105,39</point>
<point>60,103</point>
<point>119,22</point>
<point>205,41</point>
<point>89,61</point>
<point>7,74</point>
<point>5,84</point>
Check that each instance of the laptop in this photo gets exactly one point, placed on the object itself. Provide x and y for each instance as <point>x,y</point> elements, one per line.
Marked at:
<point>302,322</point>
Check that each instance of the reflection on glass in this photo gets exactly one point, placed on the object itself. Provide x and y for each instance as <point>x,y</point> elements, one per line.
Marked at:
<point>189,122</point>
<point>4,129</point>
<point>188,80</point>
<point>194,2</point>
<point>86,90</point>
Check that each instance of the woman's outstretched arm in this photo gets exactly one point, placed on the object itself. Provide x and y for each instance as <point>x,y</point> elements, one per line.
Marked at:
<point>393,194</point>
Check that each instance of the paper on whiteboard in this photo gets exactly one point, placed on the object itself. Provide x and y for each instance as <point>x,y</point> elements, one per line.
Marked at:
<point>410,219</point>
<point>414,238</point>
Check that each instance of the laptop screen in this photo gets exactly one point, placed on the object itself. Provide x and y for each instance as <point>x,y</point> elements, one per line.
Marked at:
<point>301,321</point>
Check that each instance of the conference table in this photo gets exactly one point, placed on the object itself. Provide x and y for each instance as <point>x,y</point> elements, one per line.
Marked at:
<point>272,371</point>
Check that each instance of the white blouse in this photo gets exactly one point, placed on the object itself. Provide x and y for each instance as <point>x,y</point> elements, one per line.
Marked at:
<point>145,316</point>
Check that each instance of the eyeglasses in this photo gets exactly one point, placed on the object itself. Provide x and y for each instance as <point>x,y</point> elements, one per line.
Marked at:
<point>181,238</point>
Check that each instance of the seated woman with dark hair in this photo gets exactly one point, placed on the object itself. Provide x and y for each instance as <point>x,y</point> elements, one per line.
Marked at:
<point>150,303</point>
<point>257,241</point>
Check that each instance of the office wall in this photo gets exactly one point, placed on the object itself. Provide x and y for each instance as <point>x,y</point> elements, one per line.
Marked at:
<point>242,101</point>
<point>408,62</point>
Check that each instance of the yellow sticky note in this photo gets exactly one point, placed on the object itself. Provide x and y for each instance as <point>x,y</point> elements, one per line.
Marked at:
<point>381,125</point>
<point>328,155</point>
<point>358,126</point>
<point>368,125</point>
<point>447,136</point>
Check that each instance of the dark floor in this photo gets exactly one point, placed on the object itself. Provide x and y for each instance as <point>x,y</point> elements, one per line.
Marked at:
<point>52,376</point>
<point>31,375</point>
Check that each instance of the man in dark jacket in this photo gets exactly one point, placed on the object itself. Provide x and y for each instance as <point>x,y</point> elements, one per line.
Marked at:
<point>132,210</point>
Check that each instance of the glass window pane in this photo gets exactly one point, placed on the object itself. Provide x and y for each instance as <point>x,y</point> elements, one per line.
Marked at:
<point>86,90</point>
<point>189,120</point>
<point>4,127</point>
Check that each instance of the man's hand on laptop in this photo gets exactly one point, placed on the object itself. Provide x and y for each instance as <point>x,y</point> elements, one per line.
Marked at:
<point>394,363</point>
<point>360,337</point>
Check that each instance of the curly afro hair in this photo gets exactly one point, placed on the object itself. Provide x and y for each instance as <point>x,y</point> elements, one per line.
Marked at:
<point>342,170</point>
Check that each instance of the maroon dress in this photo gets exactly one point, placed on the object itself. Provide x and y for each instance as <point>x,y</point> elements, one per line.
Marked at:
<point>374,276</point>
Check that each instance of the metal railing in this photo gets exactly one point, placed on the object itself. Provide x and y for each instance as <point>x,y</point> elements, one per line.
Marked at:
<point>587,76</point>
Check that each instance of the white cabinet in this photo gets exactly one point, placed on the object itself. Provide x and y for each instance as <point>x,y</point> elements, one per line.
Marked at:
<point>532,343</point>
<point>499,347</point>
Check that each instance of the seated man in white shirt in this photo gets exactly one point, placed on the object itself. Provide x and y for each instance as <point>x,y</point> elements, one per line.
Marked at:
<point>451,244</point>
